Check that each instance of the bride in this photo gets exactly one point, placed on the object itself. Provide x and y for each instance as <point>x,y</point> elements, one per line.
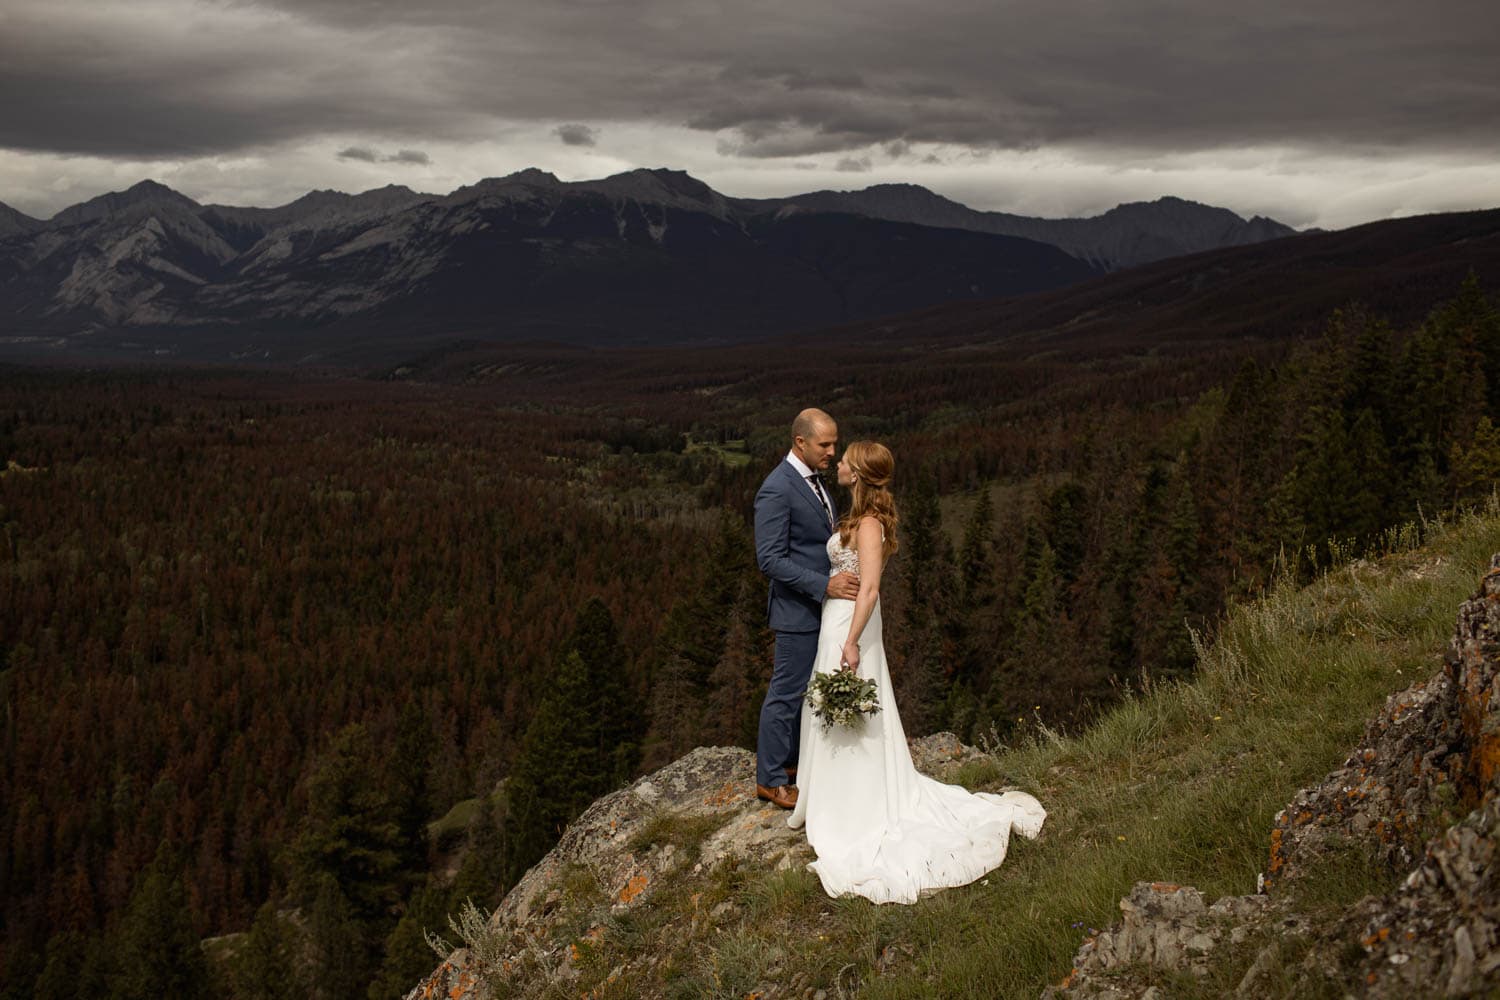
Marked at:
<point>880,829</point>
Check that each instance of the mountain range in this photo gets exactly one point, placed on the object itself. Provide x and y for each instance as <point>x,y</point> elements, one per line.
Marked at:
<point>647,256</point>
<point>1396,268</point>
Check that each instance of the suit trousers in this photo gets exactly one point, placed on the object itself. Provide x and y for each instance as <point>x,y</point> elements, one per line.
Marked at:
<point>781,713</point>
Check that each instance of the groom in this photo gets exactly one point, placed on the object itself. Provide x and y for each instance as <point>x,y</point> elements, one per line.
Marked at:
<point>794,518</point>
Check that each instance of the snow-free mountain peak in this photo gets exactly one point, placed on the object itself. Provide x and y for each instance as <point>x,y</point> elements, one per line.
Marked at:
<point>13,221</point>
<point>1125,236</point>
<point>533,175</point>
<point>660,186</point>
<point>137,200</point>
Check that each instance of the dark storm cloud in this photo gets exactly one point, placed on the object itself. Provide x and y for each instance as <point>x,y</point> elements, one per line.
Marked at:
<point>415,157</point>
<point>170,78</point>
<point>776,78</point>
<point>577,135</point>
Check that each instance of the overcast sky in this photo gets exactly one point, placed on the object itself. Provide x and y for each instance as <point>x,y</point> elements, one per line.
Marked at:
<point>1318,112</point>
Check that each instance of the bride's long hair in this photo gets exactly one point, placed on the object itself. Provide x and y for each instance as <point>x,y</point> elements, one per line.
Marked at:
<point>873,466</point>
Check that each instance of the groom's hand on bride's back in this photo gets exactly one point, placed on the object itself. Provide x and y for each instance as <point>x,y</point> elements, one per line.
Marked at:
<point>843,585</point>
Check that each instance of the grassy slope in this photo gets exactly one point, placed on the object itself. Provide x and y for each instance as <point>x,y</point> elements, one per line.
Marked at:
<point>1178,784</point>
<point>1181,784</point>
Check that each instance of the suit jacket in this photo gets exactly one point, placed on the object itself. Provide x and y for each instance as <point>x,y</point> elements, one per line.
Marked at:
<point>791,539</point>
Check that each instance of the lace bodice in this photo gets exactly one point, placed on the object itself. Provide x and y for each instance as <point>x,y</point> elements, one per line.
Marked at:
<point>840,559</point>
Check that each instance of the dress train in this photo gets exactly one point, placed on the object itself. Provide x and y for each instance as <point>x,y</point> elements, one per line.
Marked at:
<point>882,829</point>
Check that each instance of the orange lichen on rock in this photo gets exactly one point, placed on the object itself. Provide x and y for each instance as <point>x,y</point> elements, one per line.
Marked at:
<point>1277,860</point>
<point>725,794</point>
<point>1485,759</point>
<point>1165,887</point>
<point>633,888</point>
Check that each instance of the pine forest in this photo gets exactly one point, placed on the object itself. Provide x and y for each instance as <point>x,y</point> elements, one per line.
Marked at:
<point>294,662</point>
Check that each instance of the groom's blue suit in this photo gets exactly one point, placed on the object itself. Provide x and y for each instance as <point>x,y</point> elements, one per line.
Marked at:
<point>791,538</point>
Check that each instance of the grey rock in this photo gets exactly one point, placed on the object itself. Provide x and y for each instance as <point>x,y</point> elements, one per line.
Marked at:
<point>712,786</point>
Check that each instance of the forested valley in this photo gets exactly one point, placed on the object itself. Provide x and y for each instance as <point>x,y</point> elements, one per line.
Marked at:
<point>292,663</point>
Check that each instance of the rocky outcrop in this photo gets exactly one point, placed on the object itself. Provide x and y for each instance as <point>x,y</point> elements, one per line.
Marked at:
<point>667,830</point>
<point>1419,796</point>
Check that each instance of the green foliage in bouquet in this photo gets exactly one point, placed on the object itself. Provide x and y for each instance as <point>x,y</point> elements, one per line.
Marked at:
<point>842,698</point>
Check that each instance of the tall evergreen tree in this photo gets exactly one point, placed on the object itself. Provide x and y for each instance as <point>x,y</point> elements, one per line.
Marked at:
<point>610,694</point>
<point>920,560</point>
<point>693,640</point>
<point>976,560</point>
<point>407,957</point>
<point>928,639</point>
<point>1368,507</point>
<point>338,944</point>
<point>559,771</point>
<point>1477,322</point>
<point>269,965</point>
<point>408,769</point>
<point>158,953</point>
<point>1476,465</point>
<point>352,830</point>
<point>1371,382</point>
<point>1038,670</point>
<point>1064,528</point>
<point>75,966</point>
<point>1179,549</point>
<point>737,686</point>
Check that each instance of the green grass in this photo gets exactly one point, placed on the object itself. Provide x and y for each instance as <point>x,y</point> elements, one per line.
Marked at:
<point>732,453</point>
<point>449,830</point>
<point>683,831</point>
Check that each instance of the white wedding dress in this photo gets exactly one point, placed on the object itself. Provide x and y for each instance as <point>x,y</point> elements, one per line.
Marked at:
<point>880,828</point>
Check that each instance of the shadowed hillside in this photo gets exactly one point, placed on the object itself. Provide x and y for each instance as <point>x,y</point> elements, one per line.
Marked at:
<point>1268,291</point>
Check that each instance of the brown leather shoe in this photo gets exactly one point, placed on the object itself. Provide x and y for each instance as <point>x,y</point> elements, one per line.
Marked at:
<point>784,796</point>
<point>791,774</point>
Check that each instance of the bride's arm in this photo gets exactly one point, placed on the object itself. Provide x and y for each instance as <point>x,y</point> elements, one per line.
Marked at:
<point>869,544</point>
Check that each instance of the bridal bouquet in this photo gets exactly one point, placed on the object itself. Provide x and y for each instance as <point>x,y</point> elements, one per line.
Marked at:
<point>842,698</point>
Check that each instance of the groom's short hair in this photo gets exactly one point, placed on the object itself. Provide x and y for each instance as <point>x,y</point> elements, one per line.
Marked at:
<point>806,423</point>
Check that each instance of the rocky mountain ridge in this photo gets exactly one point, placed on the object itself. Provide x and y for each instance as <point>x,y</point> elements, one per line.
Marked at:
<point>646,256</point>
<point>1126,236</point>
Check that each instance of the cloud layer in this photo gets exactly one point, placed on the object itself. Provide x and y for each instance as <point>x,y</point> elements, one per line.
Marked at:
<point>839,84</point>
<point>778,78</point>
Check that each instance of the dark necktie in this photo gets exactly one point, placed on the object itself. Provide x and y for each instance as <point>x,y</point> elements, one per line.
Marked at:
<point>822,499</point>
